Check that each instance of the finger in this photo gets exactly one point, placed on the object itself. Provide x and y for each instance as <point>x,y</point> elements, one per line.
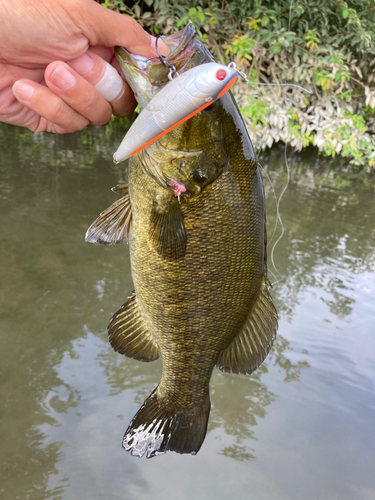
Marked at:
<point>107,81</point>
<point>105,53</point>
<point>61,117</point>
<point>109,28</point>
<point>77,92</point>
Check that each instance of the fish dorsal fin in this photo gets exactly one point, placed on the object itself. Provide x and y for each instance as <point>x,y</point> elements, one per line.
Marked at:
<point>128,333</point>
<point>114,225</point>
<point>167,227</point>
<point>252,344</point>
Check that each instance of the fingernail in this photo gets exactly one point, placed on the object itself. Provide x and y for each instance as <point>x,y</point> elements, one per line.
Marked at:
<point>62,78</point>
<point>23,90</point>
<point>162,46</point>
<point>82,64</point>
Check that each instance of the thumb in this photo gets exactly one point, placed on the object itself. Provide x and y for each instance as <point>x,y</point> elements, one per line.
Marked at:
<point>109,28</point>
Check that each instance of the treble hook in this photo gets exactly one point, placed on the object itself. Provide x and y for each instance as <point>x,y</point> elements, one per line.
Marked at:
<point>172,69</point>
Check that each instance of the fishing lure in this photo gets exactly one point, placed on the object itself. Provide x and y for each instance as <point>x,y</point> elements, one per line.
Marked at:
<point>185,96</point>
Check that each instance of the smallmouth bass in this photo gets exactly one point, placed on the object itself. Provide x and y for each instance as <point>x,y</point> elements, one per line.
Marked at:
<point>193,212</point>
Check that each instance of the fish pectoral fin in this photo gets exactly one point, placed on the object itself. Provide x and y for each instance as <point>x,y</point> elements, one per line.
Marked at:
<point>167,228</point>
<point>252,344</point>
<point>114,225</point>
<point>128,333</point>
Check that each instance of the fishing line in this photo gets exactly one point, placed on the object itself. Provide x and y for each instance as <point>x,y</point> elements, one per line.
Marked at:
<point>278,217</point>
<point>279,85</point>
<point>276,221</point>
<point>274,194</point>
<point>233,65</point>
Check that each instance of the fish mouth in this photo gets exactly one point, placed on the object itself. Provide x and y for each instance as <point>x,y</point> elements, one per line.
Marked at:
<point>182,46</point>
<point>146,76</point>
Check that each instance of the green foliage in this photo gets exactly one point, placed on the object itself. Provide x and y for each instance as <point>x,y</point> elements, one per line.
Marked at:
<point>198,17</point>
<point>240,49</point>
<point>312,39</point>
<point>256,111</point>
<point>322,45</point>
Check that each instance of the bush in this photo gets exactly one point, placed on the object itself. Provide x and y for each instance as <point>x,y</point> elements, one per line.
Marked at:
<point>325,46</point>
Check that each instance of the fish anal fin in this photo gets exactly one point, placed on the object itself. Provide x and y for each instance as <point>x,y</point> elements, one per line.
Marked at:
<point>128,333</point>
<point>114,225</point>
<point>167,228</point>
<point>254,341</point>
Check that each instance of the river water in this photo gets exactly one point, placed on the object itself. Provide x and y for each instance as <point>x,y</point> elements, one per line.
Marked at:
<point>301,427</point>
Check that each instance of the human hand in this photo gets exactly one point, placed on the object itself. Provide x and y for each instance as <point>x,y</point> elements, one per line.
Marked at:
<point>42,92</point>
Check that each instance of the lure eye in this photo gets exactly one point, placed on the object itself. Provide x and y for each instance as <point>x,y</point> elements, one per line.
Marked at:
<point>221,74</point>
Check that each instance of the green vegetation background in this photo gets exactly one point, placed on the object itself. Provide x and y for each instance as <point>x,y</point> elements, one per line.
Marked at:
<point>326,46</point>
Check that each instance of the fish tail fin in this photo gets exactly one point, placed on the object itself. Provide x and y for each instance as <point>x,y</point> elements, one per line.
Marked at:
<point>158,428</point>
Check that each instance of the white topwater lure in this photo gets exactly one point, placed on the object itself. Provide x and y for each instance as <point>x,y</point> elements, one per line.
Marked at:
<point>185,96</point>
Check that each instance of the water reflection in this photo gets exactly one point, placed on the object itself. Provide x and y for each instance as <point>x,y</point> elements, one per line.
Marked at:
<point>67,397</point>
<point>240,401</point>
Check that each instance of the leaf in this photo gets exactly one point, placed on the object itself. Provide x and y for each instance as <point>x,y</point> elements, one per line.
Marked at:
<point>137,10</point>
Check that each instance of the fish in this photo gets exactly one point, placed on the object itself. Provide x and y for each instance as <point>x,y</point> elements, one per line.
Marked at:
<point>193,213</point>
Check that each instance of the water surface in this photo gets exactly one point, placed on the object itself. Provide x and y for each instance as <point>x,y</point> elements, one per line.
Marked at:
<point>301,427</point>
